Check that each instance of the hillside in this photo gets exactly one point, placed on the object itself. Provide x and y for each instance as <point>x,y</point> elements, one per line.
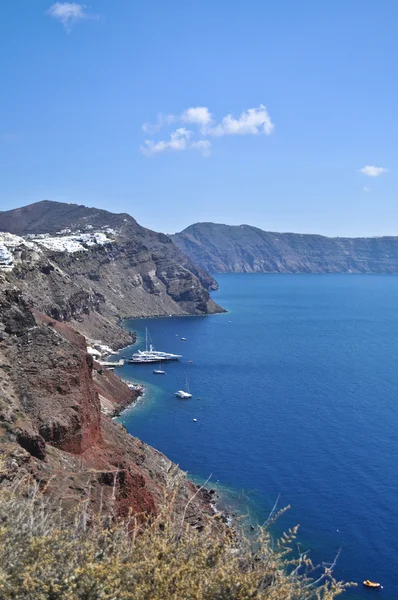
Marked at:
<point>224,248</point>
<point>51,217</point>
<point>68,270</point>
<point>93,267</point>
<point>54,425</point>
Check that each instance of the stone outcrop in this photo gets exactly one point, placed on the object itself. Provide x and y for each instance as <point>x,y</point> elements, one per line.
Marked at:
<point>246,249</point>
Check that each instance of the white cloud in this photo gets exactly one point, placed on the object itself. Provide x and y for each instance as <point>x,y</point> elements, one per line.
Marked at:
<point>372,171</point>
<point>179,137</point>
<point>161,121</point>
<point>204,146</point>
<point>251,122</point>
<point>199,115</point>
<point>178,141</point>
<point>69,13</point>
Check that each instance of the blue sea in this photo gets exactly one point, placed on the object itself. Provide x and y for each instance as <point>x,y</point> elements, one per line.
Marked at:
<point>295,392</point>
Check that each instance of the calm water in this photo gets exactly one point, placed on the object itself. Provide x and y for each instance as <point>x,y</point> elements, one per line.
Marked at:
<point>298,388</point>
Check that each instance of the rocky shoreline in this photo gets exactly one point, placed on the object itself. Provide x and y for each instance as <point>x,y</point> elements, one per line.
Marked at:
<point>60,287</point>
<point>209,495</point>
<point>53,426</point>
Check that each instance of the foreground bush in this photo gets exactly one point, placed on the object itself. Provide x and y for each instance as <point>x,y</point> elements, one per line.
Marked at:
<point>47,555</point>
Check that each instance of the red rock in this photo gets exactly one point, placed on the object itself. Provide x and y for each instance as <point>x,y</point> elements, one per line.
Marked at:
<point>52,414</point>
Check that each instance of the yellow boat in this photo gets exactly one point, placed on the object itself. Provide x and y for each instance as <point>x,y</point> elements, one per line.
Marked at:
<point>372,584</point>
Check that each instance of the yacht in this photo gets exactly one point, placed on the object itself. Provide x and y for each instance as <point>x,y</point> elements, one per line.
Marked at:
<point>184,394</point>
<point>150,355</point>
<point>158,353</point>
<point>146,359</point>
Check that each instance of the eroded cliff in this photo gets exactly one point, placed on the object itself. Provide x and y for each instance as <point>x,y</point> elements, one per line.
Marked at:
<point>52,427</point>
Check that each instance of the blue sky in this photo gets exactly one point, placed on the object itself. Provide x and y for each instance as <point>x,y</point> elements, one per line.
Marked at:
<point>78,82</point>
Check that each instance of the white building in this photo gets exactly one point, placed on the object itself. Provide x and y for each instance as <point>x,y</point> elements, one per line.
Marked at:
<point>6,258</point>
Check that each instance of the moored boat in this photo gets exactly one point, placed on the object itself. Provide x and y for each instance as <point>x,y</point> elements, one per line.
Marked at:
<point>150,355</point>
<point>184,394</point>
<point>142,360</point>
<point>372,584</point>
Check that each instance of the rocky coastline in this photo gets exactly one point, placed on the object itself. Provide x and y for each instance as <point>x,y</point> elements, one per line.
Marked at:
<point>57,402</point>
<point>53,425</point>
<point>213,498</point>
<point>246,249</point>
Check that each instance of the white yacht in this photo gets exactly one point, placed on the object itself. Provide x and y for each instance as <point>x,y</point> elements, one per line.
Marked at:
<point>158,354</point>
<point>150,355</point>
<point>147,359</point>
<point>184,394</point>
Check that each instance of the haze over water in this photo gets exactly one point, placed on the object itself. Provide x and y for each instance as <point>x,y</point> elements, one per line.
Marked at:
<point>298,396</point>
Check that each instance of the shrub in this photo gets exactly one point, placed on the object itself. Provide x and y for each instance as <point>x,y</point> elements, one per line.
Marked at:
<point>47,553</point>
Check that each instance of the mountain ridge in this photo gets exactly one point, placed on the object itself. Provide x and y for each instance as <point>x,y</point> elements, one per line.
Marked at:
<point>245,248</point>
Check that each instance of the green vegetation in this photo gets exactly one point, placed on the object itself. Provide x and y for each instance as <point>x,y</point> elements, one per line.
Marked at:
<point>47,553</point>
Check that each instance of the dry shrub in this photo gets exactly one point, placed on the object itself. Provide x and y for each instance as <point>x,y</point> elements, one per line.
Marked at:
<point>47,554</point>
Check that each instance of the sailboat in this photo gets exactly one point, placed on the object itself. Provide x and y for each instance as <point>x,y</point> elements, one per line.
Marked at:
<point>159,371</point>
<point>184,394</point>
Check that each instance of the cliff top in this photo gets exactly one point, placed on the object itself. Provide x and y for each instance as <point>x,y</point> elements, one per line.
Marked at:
<point>244,229</point>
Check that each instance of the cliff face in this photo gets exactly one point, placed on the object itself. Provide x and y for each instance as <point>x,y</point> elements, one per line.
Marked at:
<point>224,248</point>
<point>52,428</point>
<point>99,268</point>
<point>84,269</point>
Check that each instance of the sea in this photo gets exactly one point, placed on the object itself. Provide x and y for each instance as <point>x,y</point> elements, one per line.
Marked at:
<point>295,396</point>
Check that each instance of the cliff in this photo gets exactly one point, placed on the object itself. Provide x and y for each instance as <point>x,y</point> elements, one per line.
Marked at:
<point>66,272</point>
<point>225,248</point>
<point>93,268</point>
<point>52,426</point>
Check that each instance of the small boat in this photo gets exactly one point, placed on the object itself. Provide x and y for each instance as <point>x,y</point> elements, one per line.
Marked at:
<point>111,363</point>
<point>372,584</point>
<point>195,420</point>
<point>184,394</point>
<point>184,339</point>
<point>159,372</point>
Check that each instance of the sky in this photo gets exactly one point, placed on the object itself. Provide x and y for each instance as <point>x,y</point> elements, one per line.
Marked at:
<point>279,114</point>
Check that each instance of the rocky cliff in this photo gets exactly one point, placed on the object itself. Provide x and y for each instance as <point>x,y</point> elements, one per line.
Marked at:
<point>93,268</point>
<point>224,248</point>
<point>68,270</point>
<point>52,427</point>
